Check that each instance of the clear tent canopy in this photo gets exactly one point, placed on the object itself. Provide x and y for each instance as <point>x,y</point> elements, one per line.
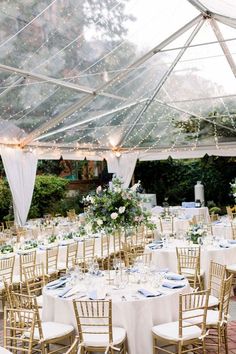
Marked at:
<point>118,78</point>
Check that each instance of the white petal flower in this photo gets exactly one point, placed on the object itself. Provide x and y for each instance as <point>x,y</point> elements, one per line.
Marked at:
<point>99,222</point>
<point>99,189</point>
<point>114,216</point>
<point>121,210</point>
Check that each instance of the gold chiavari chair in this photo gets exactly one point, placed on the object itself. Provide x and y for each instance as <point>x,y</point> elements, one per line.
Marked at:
<point>74,348</point>
<point>6,274</point>
<point>71,215</point>
<point>9,224</point>
<point>217,275</point>
<point>183,334</point>
<point>45,333</point>
<point>214,217</point>
<point>96,333</point>
<point>188,260</point>
<point>167,225</point>
<point>34,279</point>
<point>233,230</point>
<point>27,259</point>
<point>71,255</point>
<point>231,212</point>
<point>116,247</point>
<point>218,320</point>
<point>104,256</point>
<point>88,248</point>
<point>51,262</point>
<point>19,325</point>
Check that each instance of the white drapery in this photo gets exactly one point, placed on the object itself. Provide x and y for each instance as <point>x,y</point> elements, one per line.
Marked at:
<point>20,167</point>
<point>123,166</point>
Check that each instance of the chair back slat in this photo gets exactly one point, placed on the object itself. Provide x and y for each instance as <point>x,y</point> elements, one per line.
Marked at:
<point>19,327</point>
<point>6,269</point>
<point>94,317</point>
<point>192,308</point>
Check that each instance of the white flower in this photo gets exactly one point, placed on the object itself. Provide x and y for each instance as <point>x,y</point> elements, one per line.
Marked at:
<point>91,200</point>
<point>99,222</point>
<point>114,216</point>
<point>99,189</point>
<point>121,210</point>
<point>135,186</point>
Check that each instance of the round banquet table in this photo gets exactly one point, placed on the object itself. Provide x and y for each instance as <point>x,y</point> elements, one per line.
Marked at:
<point>134,312</point>
<point>41,254</point>
<point>166,257</point>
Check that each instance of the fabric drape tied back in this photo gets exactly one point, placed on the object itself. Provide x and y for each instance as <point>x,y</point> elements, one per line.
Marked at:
<point>20,167</point>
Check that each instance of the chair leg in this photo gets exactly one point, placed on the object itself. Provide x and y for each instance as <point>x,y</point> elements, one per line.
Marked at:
<point>179,348</point>
<point>219,340</point>
<point>226,339</point>
<point>153,346</point>
<point>204,346</point>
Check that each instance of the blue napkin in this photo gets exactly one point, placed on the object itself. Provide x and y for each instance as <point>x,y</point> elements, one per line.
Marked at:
<point>153,246</point>
<point>148,293</point>
<point>170,285</point>
<point>232,242</point>
<point>56,283</point>
<point>174,276</point>
<point>92,295</point>
<point>224,245</point>
<point>65,291</point>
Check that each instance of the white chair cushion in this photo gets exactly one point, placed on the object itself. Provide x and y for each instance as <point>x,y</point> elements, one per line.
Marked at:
<point>213,301</point>
<point>102,340</point>
<point>4,351</point>
<point>40,300</point>
<point>190,272</point>
<point>170,331</point>
<point>61,265</point>
<point>231,268</point>
<point>16,279</point>
<point>212,317</point>
<point>52,330</point>
<point>52,270</point>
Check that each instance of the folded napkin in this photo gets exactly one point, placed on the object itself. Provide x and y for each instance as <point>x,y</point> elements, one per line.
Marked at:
<point>64,292</point>
<point>95,295</point>
<point>172,285</point>
<point>174,276</point>
<point>148,293</point>
<point>232,242</point>
<point>153,246</point>
<point>72,291</point>
<point>56,283</point>
<point>163,270</point>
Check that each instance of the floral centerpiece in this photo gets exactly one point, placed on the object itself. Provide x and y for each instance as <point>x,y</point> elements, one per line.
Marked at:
<point>29,245</point>
<point>194,232</point>
<point>6,249</point>
<point>233,189</point>
<point>115,208</point>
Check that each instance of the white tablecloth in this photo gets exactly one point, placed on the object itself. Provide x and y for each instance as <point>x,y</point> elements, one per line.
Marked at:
<point>41,255</point>
<point>184,212</point>
<point>166,257</point>
<point>137,315</point>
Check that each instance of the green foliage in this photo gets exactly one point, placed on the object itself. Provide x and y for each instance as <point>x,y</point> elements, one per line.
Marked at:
<point>175,179</point>
<point>48,192</point>
<point>115,208</point>
<point>5,198</point>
